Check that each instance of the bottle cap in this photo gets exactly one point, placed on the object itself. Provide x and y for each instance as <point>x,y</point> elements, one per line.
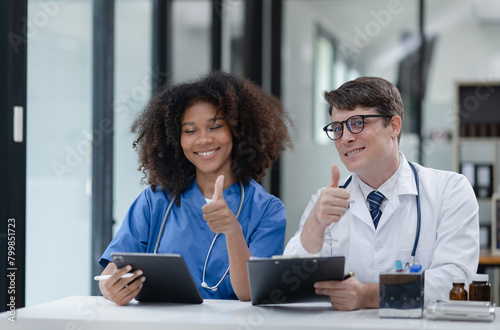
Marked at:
<point>459,280</point>
<point>480,277</point>
<point>415,268</point>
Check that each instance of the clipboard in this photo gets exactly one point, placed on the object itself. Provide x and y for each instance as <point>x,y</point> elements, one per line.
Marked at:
<point>290,279</point>
<point>167,277</point>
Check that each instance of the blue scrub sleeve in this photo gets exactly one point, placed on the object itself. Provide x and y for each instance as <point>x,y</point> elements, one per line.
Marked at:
<point>268,238</point>
<point>134,231</point>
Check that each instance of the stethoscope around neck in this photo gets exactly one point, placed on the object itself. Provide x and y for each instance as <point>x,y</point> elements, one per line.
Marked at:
<point>162,229</point>
<point>419,216</point>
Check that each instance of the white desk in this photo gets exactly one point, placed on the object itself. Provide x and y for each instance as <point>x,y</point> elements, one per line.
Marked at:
<point>97,313</point>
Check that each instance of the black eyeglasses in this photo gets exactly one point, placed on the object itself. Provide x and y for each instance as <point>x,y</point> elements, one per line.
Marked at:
<point>354,124</point>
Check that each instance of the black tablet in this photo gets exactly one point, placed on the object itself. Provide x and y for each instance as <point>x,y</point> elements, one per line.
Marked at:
<point>285,279</point>
<point>167,277</point>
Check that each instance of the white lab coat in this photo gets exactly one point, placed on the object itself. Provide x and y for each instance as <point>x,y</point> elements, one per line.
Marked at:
<point>449,236</point>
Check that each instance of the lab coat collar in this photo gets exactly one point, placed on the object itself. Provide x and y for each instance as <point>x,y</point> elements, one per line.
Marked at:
<point>406,181</point>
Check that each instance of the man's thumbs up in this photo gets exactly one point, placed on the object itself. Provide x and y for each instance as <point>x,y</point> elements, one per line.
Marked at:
<point>335,176</point>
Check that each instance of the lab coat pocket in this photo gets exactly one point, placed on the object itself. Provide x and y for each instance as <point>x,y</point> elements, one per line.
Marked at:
<point>423,256</point>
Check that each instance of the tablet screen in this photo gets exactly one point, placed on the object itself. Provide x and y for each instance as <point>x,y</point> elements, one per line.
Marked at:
<point>167,277</point>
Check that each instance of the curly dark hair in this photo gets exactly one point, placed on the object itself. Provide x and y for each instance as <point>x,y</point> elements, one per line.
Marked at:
<point>257,120</point>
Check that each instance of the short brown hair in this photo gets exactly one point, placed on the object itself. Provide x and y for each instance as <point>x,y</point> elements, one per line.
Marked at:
<point>370,92</point>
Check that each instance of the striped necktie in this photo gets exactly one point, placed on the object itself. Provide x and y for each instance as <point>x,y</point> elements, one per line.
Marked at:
<point>375,198</point>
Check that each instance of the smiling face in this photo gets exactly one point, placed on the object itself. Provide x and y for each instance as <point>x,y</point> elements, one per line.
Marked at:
<point>373,153</point>
<point>206,140</point>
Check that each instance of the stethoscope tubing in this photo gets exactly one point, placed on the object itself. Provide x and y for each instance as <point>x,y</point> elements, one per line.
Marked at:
<point>419,215</point>
<point>162,228</point>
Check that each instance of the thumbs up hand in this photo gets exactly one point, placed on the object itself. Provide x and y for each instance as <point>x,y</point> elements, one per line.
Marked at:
<point>217,214</point>
<point>334,183</point>
<point>332,203</point>
<point>219,187</point>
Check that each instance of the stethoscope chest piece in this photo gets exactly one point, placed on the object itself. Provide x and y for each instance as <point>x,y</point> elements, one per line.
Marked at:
<point>204,285</point>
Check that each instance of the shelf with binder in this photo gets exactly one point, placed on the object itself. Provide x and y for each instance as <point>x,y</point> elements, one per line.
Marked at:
<point>476,135</point>
<point>495,224</point>
<point>479,161</point>
<point>480,176</point>
<point>476,144</point>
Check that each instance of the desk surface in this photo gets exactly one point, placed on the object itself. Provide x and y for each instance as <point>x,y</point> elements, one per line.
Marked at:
<point>487,258</point>
<point>96,313</point>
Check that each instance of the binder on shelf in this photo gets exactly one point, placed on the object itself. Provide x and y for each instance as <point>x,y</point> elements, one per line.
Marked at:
<point>495,223</point>
<point>480,177</point>
<point>484,180</point>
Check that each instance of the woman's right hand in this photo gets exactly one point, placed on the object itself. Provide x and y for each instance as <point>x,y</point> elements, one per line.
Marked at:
<point>121,290</point>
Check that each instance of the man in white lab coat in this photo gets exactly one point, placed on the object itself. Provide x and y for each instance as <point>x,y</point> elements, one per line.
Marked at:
<point>367,117</point>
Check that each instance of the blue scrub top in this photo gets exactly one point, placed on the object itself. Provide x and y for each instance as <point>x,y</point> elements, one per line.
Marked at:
<point>262,218</point>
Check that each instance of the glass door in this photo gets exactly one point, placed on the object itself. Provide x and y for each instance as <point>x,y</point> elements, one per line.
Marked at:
<point>59,139</point>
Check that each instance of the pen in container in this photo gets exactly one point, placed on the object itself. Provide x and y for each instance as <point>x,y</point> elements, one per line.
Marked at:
<point>105,277</point>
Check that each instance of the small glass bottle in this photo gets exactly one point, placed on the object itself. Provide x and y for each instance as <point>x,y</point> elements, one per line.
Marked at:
<point>480,288</point>
<point>458,291</point>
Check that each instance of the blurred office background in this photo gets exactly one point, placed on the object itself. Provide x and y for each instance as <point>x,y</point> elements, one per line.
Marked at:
<point>295,49</point>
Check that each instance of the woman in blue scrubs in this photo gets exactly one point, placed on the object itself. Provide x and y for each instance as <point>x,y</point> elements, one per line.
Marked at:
<point>203,143</point>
